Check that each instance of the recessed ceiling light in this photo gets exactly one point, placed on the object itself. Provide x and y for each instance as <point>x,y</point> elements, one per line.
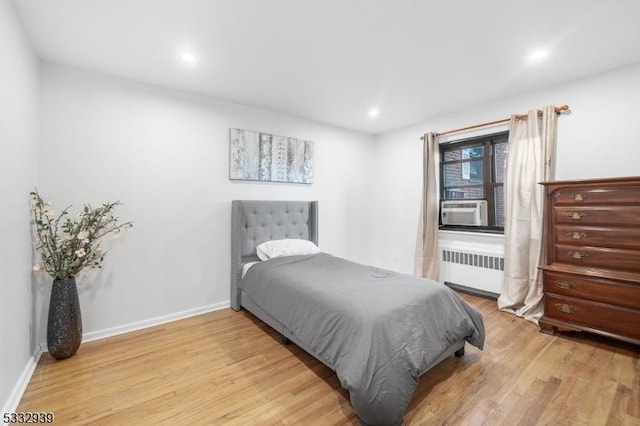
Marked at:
<point>188,58</point>
<point>538,56</point>
<point>374,113</point>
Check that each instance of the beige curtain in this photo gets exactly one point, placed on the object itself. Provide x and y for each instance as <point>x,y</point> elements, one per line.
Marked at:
<point>530,160</point>
<point>426,262</point>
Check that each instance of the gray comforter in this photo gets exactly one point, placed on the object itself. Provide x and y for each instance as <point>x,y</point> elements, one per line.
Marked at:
<point>378,330</point>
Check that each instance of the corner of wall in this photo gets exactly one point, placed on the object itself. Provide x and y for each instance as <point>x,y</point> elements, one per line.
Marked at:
<point>11,404</point>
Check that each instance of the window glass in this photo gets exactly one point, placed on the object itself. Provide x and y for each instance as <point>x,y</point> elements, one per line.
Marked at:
<point>499,210</point>
<point>499,160</point>
<point>464,153</point>
<point>474,169</point>
<point>464,192</point>
<point>463,173</point>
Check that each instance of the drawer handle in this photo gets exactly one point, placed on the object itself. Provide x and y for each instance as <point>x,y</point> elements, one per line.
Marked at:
<point>576,215</point>
<point>576,235</point>
<point>567,309</point>
<point>577,255</point>
<point>565,284</point>
<point>578,197</point>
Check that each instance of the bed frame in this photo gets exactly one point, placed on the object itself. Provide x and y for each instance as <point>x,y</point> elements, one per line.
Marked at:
<point>254,222</point>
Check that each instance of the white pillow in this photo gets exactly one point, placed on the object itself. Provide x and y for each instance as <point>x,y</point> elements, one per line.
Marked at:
<point>290,247</point>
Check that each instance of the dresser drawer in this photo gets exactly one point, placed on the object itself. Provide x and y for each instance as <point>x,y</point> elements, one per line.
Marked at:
<point>600,316</point>
<point>602,195</point>
<point>597,257</point>
<point>597,290</point>
<point>598,236</point>
<point>597,215</point>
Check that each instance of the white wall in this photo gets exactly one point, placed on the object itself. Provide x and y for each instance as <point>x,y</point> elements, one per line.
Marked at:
<point>18,159</point>
<point>165,155</point>
<point>599,138</point>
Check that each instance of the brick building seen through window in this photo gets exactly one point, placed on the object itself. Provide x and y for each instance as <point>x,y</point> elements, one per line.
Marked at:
<point>473,169</point>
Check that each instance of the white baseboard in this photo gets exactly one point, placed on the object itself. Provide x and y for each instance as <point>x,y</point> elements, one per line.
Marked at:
<point>18,390</point>
<point>139,325</point>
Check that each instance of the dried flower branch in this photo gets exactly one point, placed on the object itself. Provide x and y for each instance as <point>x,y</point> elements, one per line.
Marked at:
<point>67,246</point>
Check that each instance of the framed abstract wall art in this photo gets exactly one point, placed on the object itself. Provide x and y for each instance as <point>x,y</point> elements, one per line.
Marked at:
<point>258,156</point>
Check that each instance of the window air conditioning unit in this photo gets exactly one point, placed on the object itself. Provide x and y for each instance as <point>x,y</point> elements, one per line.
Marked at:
<point>467,213</point>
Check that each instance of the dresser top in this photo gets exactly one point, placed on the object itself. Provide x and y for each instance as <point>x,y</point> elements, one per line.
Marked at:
<point>608,180</point>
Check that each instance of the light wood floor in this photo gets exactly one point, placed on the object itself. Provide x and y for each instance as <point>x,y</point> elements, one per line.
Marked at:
<point>229,368</point>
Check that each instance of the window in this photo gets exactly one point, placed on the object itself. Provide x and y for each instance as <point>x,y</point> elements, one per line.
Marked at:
<point>473,169</point>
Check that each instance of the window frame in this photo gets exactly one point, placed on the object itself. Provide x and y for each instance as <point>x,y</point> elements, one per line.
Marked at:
<point>489,183</point>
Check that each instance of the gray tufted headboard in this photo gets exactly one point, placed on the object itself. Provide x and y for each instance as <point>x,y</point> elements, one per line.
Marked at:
<point>254,222</point>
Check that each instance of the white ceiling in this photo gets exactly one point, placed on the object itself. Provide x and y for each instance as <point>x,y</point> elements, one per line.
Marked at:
<point>332,61</point>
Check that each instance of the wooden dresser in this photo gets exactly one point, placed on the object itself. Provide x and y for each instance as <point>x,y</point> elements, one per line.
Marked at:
<point>591,274</point>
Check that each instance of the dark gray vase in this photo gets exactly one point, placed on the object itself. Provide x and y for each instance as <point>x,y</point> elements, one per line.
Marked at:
<point>64,326</point>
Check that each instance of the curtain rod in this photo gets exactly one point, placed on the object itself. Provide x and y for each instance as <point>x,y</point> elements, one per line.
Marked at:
<point>559,110</point>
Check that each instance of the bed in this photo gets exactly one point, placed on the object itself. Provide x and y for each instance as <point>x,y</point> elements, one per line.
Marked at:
<point>378,330</point>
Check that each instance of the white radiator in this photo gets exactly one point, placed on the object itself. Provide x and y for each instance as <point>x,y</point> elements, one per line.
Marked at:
<point>472,265</point>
